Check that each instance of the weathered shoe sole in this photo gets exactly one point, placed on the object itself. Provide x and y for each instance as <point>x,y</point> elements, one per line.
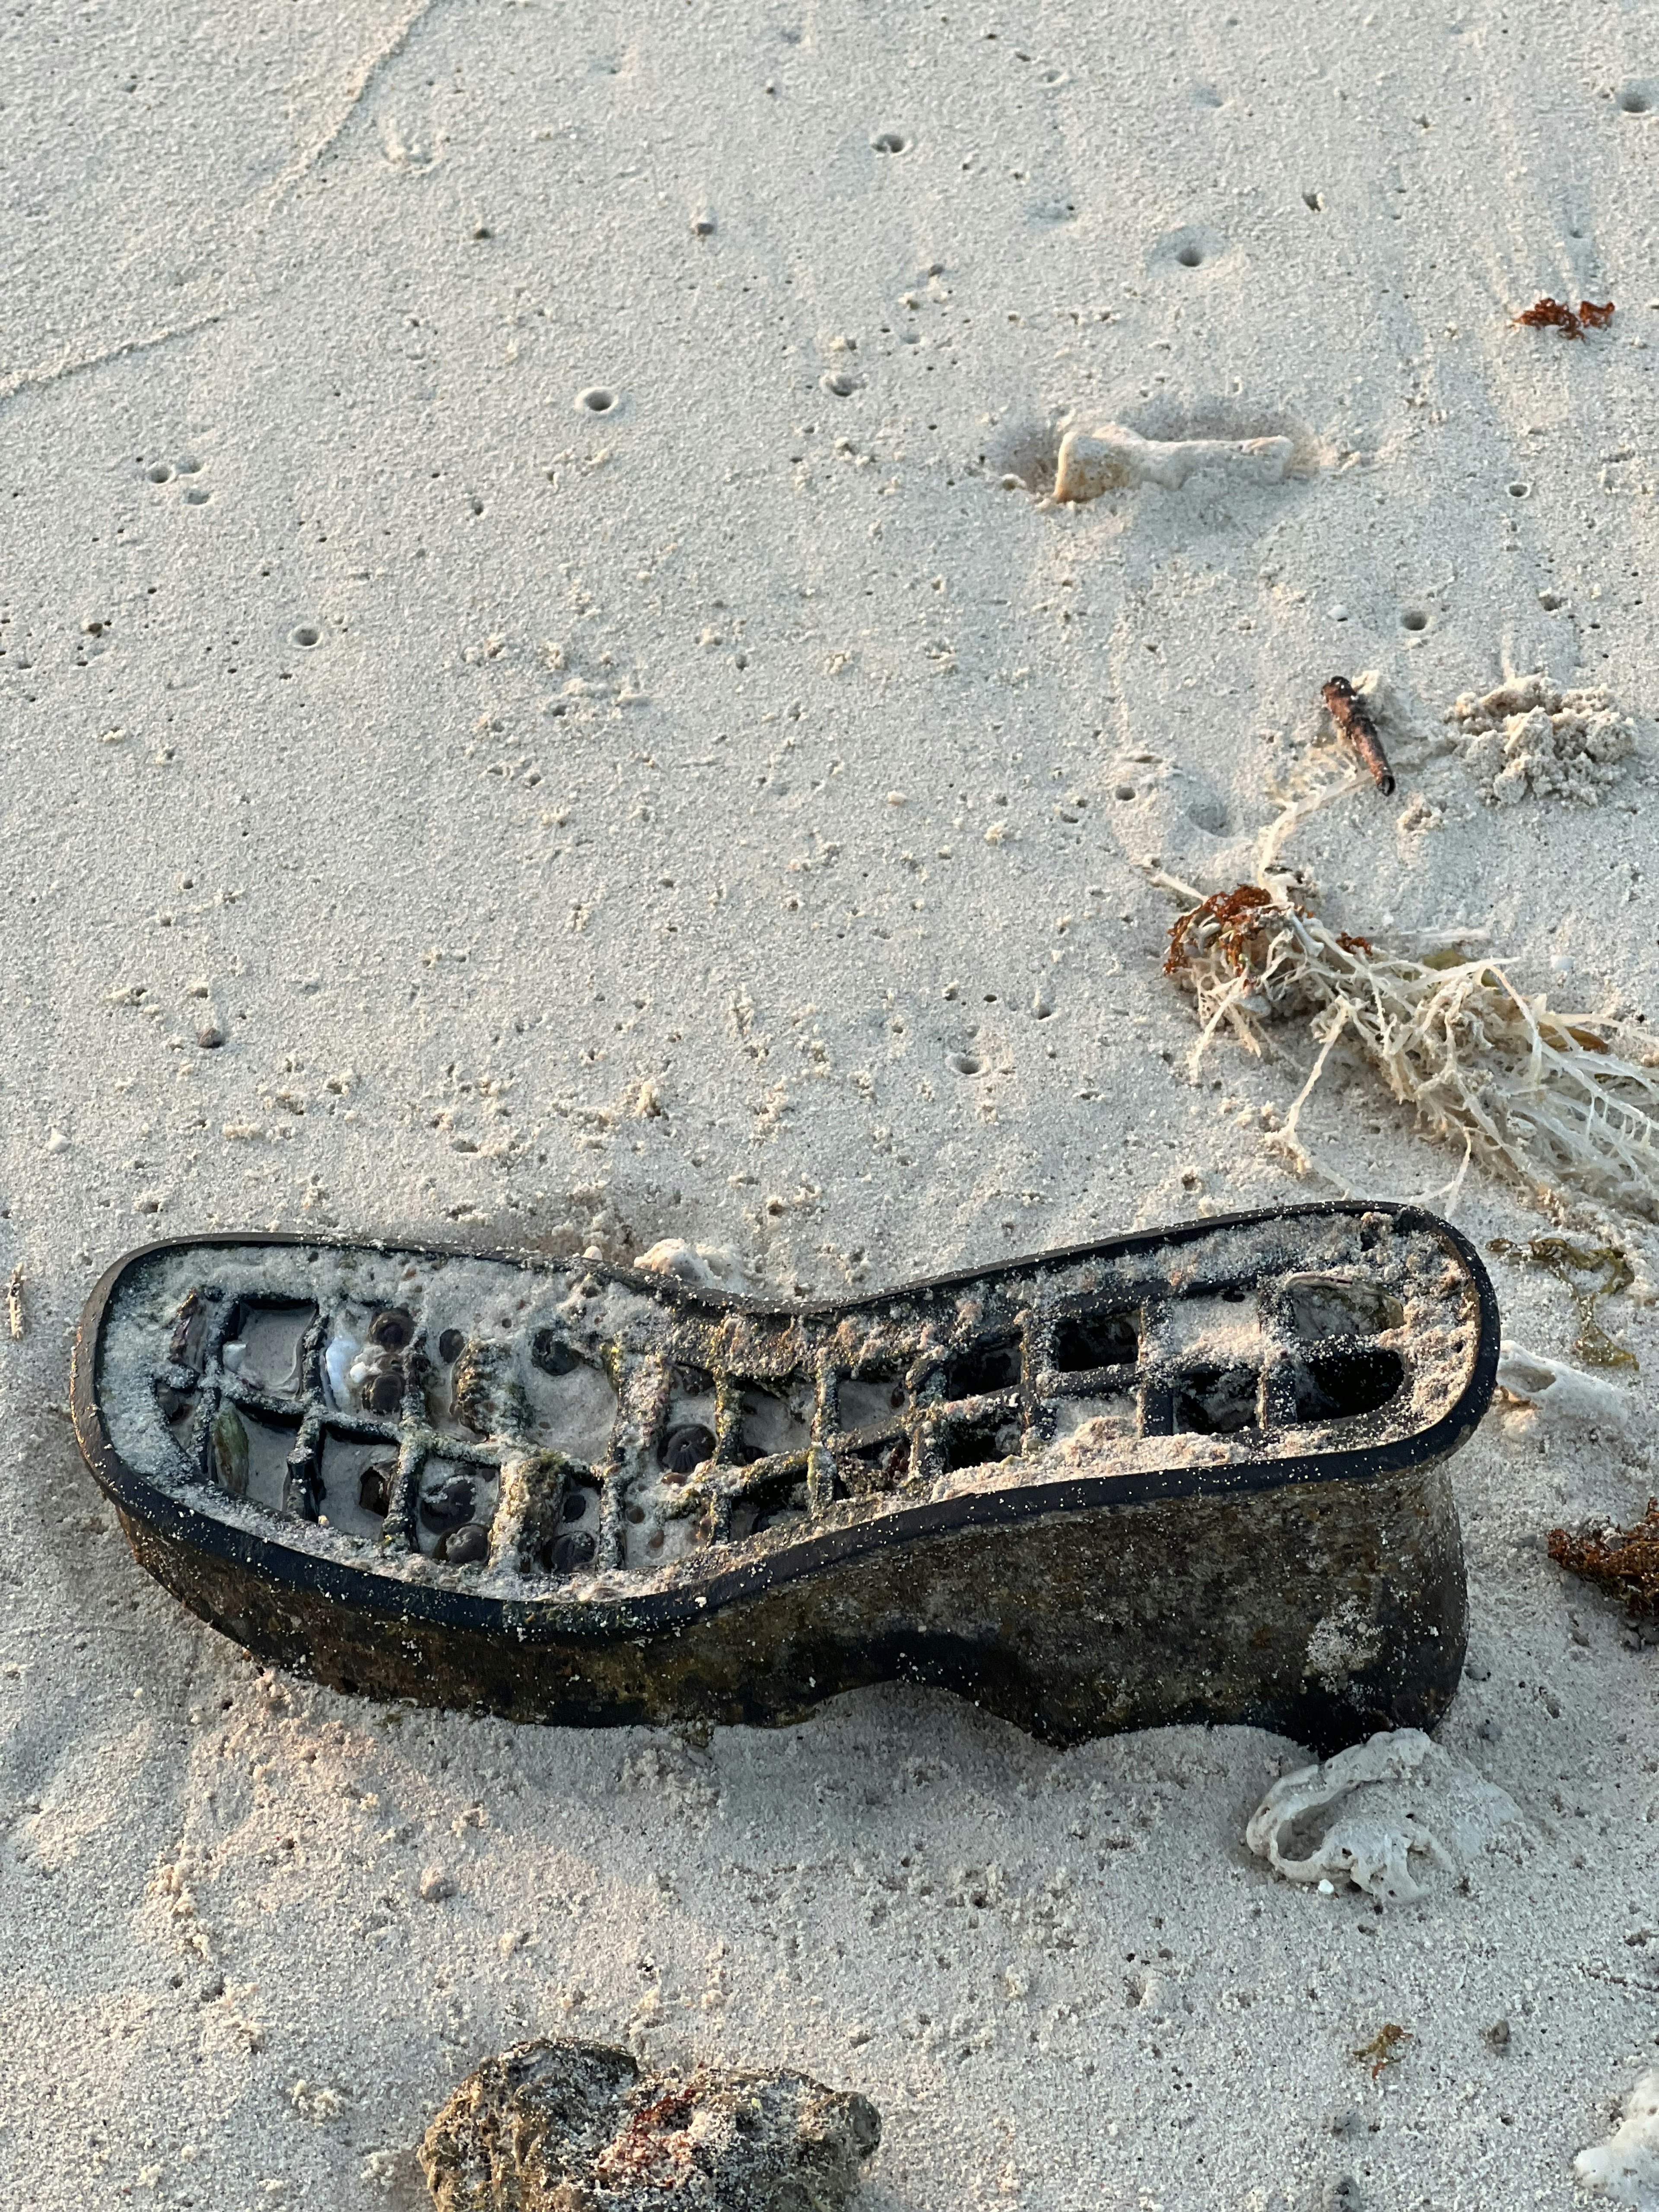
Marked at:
<point>1189,1474</point>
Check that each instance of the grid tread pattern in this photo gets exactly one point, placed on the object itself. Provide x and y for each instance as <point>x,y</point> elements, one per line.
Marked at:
<point>991,1394</point>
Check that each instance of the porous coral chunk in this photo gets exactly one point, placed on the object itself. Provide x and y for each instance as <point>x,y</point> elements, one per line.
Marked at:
<point>558,2125</point>
<point>1528,739</point>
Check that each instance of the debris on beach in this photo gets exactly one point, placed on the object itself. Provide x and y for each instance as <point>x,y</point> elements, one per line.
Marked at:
<point>1384,1817</point>
<point>1352,718</point>
<point>1531,739</point>
<point>592,1496</point>
<point>1547,314</point>
<point>558,2125</point>
<point>1623,1562</point>
<point>1114,458</point>
<point>1590,1273</point>
<point>14,1305</point>
<point>598,1496</point>
<point>1383,2048</point>
<point>1625,2167</point>
<point>1550,1100</point>
<point>703,1266</point>
<point>1553,1393</point>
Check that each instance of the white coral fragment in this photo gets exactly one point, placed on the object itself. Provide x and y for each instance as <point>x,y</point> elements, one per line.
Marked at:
<point>1555,1394</point>
<point>1626,2166</point>
<point>700,1267</point>
<point>1528,739</point>
<point>1114,458</point>
<point>1383,1816</point>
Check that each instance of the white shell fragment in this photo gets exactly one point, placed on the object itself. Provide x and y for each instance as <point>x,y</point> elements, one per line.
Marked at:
<point>1383,1816</point>
<point>703,1266</point>
<point>1550,1391</point>
<point>1626,2168</point>
<point>1114,458</point>
<point>339,1363</point>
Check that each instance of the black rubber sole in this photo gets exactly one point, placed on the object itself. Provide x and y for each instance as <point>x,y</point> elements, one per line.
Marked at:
<point>1188,1474</point>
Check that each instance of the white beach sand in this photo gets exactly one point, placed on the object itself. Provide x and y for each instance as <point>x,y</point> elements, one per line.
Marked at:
<point>718,817</point>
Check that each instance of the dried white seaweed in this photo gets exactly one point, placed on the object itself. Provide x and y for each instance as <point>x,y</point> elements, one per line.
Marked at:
<point>1550,1099</point>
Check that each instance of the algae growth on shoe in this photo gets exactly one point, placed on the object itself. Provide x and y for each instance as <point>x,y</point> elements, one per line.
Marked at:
<point>584,1493</point>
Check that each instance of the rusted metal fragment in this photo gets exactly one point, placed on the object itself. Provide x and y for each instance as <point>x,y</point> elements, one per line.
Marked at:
<point>563,2126</point>
<point>1187,1475</point>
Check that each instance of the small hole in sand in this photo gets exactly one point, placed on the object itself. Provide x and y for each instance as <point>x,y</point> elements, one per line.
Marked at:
<point>1413,618</point>
<point>1027,451</point>
<point>1189,256</point>
<point>306,634</point>
<point>197,495</point>
<point>162,473</point>
<point>596,400</point>
<point>1124,791</point>
<point>965,1063</point>
<point>1314,202</point>
<point>1550,602</point>
<point>1519,490</point>
<point>842,384</point>
<point>1636,99</point>
<point>890,142</point>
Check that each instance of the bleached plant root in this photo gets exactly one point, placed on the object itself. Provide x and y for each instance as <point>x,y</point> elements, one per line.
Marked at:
<point>1545,1098</point>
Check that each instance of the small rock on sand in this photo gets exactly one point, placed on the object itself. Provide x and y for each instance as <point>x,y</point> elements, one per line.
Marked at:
<point>559,2125</point>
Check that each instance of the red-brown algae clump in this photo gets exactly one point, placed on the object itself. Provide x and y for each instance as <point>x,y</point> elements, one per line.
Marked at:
<point>1546,313</point>
<point>1624,1562</point>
